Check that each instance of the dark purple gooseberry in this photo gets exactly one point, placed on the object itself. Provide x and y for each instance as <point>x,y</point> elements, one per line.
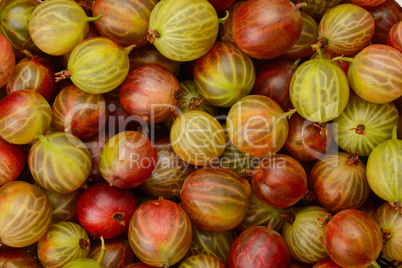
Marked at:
<point>385,16</point>
<point>273,80</point>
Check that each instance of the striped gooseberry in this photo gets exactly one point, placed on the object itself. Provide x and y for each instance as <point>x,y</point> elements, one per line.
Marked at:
<point>63,242</point>
<point>224,88</point>
<point>150,91</point>
<point>14,24</point>
<point>215,199</point>
<point>34,73</point>
<point>127,159</point>
<point>7,60</point>
<point>169,174</point>
<point>384,170</point>
<point>319,90</point>
<point>23,115</point>
<point>124,21</point>
<point>375,73</point>
<point>25,216</point>
<point>363,125</point>
<point>197,137</point>
<point>160,233</point>
<point>353,239</point>
<point>57,26</point>
<point>193,100</point>
<point>261,214</point>
<point>257,126</point>
<point>303,231</point>
<point>183,30</point>
<point>309,34</point>
<point>338,181</point>
<point>97,65</point>
<point>64,206</point>
<point>12,161</point>
<point>345,29</point>
<point>59,162</point>
<point>394,38</point>
<point>390,222</point>
<point>79,113</point>
<point>279,181</point>
<point>279,25</point>
<point>216,244</point>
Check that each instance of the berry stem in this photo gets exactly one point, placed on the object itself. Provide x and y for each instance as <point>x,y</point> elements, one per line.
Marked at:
<point>28,41</point>
<point>103,250</point>
<point>395,133</point>
<point>29,55</point>
<point>300,5</point>
<point>342,58</point>
<point>289,114</point>
<point>113,180</point>
<point>152,35</point>
<point>321,42</point>
<point>89,19</point>
<point>128,49</point>
<point>62,75</point>
<point>295,65</point>
<point>222,20</point>
<point>318,49</point>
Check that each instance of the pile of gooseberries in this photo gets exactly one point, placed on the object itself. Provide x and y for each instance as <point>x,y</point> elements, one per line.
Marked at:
<point>200,133</point>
